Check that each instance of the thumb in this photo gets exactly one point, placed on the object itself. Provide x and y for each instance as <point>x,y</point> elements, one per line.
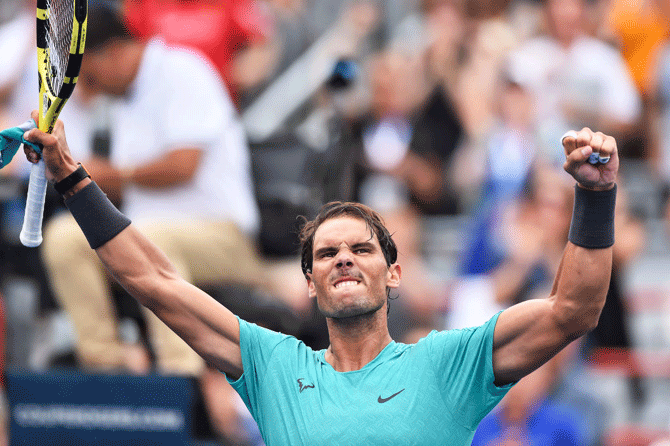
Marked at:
<point>577,158</point>
<point>36,136</point>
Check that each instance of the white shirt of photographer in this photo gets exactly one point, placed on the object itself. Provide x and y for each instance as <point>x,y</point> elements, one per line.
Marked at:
<point>178,101</point>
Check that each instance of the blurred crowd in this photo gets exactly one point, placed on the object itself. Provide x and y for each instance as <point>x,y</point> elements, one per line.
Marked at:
<point>214,124</point>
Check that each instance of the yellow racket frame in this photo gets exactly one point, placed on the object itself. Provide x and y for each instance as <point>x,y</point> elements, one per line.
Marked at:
<point>52,102</point>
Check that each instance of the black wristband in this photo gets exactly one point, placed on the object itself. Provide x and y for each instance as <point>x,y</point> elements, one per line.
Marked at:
<point>69,181</point>
<point>593,218</point>
<point>97,217</point>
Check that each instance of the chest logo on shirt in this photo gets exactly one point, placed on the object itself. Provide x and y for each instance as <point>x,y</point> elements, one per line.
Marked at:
<point>383,400</point>
<point>306,386</point>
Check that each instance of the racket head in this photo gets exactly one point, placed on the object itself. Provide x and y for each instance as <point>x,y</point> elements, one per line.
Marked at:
<point>61,38</point>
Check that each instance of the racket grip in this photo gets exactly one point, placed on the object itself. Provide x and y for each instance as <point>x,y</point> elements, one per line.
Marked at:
<point>31,233</point>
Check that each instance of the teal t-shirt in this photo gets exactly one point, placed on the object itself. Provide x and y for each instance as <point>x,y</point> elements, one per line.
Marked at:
<point>434,392</point>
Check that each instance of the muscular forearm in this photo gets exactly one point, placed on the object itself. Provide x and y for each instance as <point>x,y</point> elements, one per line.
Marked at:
<point>580,287</point>
<point>137,264</point>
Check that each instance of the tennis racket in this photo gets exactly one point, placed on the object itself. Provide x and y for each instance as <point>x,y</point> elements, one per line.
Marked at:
<point>61,36</point>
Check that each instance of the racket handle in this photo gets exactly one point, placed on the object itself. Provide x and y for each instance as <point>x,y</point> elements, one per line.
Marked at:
<point>31,233</point>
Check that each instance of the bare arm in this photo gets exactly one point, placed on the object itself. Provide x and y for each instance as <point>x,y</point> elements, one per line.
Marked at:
<point>528,334</point>
<point>146,273</point>
<point>176,167</point>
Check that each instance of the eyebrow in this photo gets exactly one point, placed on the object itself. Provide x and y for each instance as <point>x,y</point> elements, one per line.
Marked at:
<point>355,246</point>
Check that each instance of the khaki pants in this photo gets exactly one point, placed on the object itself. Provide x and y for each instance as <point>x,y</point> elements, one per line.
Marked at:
<point>203,252</point>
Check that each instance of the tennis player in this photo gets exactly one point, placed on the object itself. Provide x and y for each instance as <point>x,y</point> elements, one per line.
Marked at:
<point>364,388</point>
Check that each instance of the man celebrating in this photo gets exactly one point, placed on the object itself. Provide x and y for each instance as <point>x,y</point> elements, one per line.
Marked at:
<point>365,388</point>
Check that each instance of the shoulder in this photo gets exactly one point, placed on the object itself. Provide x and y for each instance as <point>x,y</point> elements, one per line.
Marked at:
<point>458,336</point>
<point>181,61</point>
<point>589,48</point>
<point>255,336</point>
<point>256,333</point>
<point>190,80</point>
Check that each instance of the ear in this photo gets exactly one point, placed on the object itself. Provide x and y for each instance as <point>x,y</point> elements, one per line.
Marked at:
<point>310,286</point>
<point>393,275</point>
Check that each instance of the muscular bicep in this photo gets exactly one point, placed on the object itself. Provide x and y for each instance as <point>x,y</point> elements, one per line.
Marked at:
<point>526,336</point>
<point>208,327</point>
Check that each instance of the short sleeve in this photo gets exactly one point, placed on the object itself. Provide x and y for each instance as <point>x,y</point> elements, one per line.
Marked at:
<point>463,361</point>
<point>257,345</point>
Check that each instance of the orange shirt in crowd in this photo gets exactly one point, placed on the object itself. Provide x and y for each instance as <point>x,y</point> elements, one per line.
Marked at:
<point>640,28</point>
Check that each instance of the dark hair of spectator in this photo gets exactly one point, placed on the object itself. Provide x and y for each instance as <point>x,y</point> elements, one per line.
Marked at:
<point>105,24</point>
<point>345,209</point>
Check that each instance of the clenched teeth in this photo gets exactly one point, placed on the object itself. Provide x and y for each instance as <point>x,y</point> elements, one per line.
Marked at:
<point>346,283</point>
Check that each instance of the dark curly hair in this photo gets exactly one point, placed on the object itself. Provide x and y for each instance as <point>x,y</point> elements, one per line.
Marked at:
<point>340,209</point>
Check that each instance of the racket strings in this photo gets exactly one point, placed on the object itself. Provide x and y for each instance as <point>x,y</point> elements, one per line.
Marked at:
<point>59,23</point>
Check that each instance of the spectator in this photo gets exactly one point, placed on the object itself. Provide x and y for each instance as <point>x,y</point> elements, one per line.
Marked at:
<point>463,45</point>
<point>500,163</point>
<point>562,69</point>
<point>437,127</point>
<point>487,45</point>
<point>528,416</point>
<point>180,165</point>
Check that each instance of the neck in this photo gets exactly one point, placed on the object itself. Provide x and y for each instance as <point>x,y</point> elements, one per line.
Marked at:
<point>356,341</point>
<point>136,53</point>
<point>566,40</point>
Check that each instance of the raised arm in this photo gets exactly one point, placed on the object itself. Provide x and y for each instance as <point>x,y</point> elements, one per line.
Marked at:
<point>528,334</point>
<point>140,267</point>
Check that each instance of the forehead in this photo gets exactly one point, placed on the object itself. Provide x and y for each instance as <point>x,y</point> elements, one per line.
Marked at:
<point>350,230</point>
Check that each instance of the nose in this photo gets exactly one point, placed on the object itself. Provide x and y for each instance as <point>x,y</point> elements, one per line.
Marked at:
<point>344,259</point>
